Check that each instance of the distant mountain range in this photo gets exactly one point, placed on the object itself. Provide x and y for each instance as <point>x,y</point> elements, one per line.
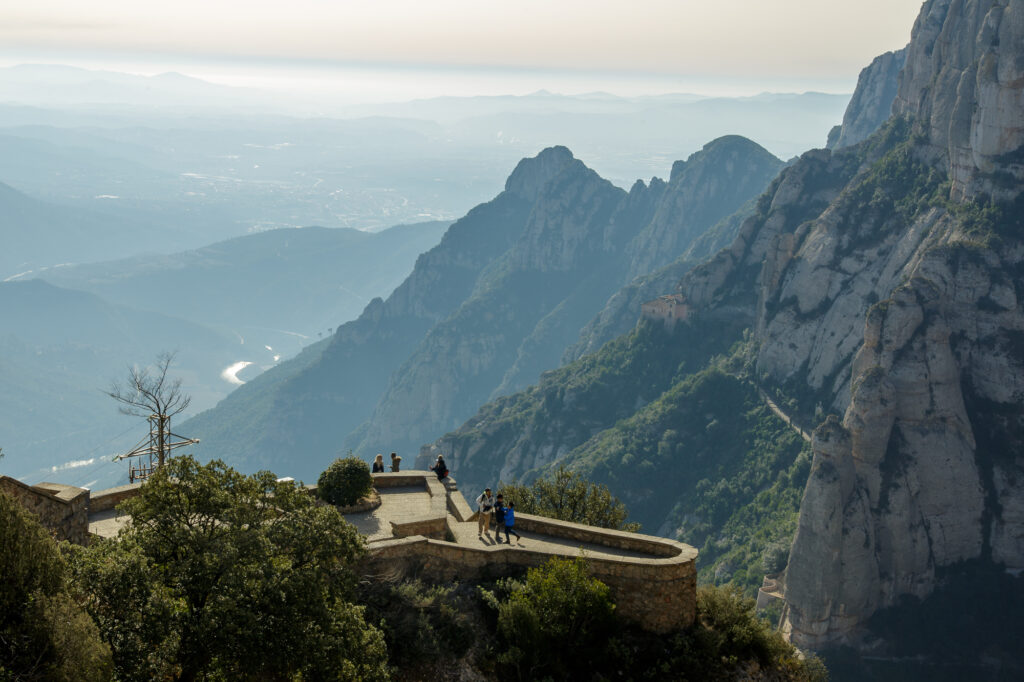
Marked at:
<point>37,233</point>
<point>294,280</point>
<point>499,300</point>
<point>252,300</point>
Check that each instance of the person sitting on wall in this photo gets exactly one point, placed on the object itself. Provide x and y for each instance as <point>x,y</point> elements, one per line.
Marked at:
<point>510,520</point>
<point>378,464</point>
<point>484,505</point>
<point>499,517</point>
<point>396,462</point>
<point>440,468</point>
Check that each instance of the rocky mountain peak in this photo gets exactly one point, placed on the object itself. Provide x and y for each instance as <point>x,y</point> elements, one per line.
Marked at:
<point>701,191</point>
<point>718,150</point>
<point>532,174</point>
<point>964,83</point>
<point>871,104</point>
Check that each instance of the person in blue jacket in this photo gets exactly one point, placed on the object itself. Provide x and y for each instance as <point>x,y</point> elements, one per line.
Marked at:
<point>510,520</point>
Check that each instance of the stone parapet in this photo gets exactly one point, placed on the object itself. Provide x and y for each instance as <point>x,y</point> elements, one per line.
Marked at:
<point>657,593</point>
<point>633,542</point>
<point>102,500</point>
<point>63,509</point>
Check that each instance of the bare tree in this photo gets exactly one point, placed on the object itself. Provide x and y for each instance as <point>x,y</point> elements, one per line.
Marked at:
<point>149,393</point>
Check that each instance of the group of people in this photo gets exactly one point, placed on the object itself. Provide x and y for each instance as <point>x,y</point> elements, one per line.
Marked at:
<point>439,468</point>
<point>504,515</point>
<point>378,463</point>
<point>488,506</point>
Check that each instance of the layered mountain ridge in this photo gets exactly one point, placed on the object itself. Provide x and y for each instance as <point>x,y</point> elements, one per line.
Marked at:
<point>881,283</point>
<point>502,296</point>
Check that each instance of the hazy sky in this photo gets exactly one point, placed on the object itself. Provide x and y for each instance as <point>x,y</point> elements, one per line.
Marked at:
<point>822,43</point>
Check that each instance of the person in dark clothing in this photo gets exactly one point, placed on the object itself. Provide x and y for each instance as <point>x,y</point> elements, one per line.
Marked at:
<point>439,468</point>
<point>510,520</point>
<point>499,517</point>
<point>378,465</point>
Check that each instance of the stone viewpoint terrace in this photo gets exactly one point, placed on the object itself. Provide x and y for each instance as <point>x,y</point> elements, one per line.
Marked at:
<point>417,526</point>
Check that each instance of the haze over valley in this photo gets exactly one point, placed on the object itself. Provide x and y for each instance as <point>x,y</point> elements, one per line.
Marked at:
<point>751,276</point>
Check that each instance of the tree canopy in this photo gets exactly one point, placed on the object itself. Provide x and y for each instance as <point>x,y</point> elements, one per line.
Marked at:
<point>221,575</point>
<point>44,634</point>
<point>568,496</point>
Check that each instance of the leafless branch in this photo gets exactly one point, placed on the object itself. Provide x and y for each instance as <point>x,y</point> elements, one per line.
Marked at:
<point>149,390</point>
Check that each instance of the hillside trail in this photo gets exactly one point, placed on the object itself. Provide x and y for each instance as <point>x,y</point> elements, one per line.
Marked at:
<point>782,415</point>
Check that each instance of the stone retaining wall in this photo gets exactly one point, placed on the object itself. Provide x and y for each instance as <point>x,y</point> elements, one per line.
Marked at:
<point>102,500</point>
<point>63,509</point>
<point>657,593</point>
<point>633,542</point>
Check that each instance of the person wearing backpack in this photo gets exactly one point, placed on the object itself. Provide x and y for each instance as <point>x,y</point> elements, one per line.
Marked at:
<point>484,505</point>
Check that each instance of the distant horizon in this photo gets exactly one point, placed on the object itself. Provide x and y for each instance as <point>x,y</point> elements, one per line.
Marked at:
<point>360,83</point>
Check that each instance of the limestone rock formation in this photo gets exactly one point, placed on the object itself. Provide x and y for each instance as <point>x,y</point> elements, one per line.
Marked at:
<point>702,190</point>
<point>871,104</point>
<point>884,287</point>
<point>964,81</point>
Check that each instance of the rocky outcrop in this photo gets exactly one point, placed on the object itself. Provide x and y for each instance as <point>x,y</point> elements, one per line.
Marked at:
<point>702,190</point>
<point>876,297</point>
<point>871,104</point>
<point>964,84</point>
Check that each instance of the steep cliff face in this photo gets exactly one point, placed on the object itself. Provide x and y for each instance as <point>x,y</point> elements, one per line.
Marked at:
<point>871,104</point>
<point>887,290</point>
<point>964,81</point>
<point>565,243</point>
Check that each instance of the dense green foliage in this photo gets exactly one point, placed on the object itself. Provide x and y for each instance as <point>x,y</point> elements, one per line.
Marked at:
<point>548,620</point>
<point>711,463</point>
<point>345,481</point>
<point>225,576</point>
<point>558,623</point>
<point>567,496</point>
<point>423,625</point>
<point>572,403</point>
<point>44,632</point>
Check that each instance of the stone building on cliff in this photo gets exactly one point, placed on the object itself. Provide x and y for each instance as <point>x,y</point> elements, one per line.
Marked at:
<point>668,309</point>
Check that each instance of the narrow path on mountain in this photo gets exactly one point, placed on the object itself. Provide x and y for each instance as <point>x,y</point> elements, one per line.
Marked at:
<point>782,415</point>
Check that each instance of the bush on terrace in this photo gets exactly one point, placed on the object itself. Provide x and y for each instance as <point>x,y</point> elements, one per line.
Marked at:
<point>345,481</point>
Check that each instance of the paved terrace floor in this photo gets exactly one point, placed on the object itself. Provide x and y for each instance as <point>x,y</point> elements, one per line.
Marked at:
<point>409,502</point>
<point>107,522</point>
<point>406,503</point>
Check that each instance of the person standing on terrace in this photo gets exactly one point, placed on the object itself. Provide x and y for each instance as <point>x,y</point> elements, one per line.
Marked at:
<point>484,505</point>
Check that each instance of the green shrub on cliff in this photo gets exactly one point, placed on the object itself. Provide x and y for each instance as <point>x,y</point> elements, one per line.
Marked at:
<point>547,622</point>
<point>44,633</point>
<point>345,481</point>
<point>558,623</point>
